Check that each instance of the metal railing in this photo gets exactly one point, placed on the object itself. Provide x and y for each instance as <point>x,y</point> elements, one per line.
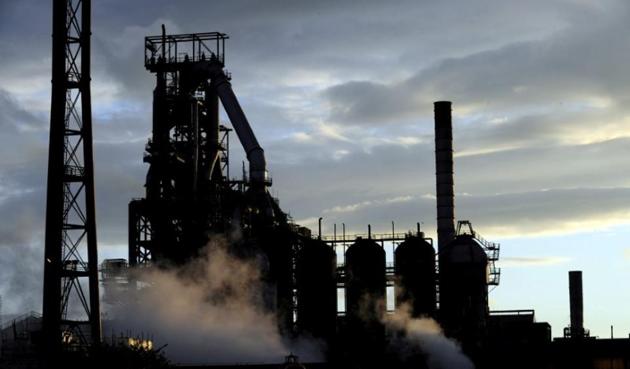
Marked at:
<point>192,47</point>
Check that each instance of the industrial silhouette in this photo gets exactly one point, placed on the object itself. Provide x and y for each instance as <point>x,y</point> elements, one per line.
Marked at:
<point>191,198</point>
<point>70,246</point>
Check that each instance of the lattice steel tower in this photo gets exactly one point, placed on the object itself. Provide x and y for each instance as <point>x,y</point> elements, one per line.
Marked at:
<point>70,315</point>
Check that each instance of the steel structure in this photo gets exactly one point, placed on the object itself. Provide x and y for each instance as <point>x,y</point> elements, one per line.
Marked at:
<point>340,245</point>
<point>189,193</point>
<point>492,249</point>
<point>71,313</point>
<point>140,228</point>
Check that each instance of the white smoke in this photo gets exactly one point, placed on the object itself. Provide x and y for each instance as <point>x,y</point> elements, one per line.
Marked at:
<point>426,335</point>
<point>208,312</point>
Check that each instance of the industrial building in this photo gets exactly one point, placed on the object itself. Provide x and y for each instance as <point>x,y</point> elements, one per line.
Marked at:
<point>191,195</point>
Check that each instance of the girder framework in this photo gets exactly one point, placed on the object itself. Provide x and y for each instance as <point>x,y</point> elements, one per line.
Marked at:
<point>188,177</point>
<point>71,313</point>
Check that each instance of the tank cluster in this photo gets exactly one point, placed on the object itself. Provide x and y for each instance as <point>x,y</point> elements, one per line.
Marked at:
<point>453,291</point>
<point>450,286</point>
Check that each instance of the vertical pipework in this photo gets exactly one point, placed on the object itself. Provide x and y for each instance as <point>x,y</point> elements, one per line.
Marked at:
<point>212,104</point>
<point>444,173</point>
<point>51,317</point>
<point>576,301</point>
<point>163,42</point>
<point>88,163</point>
<point>255,154</point>
<point>319,223</point>
<point>196,137</point>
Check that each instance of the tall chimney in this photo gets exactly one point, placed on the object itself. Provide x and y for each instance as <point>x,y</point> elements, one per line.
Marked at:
<point>576,304</point>
<point>444,173</point>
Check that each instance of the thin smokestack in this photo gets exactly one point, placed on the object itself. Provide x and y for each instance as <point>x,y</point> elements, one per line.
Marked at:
<point>576,303</point>
<point>444,173</point>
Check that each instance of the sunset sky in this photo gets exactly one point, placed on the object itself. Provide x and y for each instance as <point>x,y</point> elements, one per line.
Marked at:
<point>339,94</point>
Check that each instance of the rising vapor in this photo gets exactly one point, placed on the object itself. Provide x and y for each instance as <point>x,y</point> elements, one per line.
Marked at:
<point>209,311</point>
<point>425,335</point>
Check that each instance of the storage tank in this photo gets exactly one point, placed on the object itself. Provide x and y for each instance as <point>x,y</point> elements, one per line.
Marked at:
<point>414,267</point>
<point>316,278</point>
<point>277,280</point>
<point>270,255</point>
<point>464,290</point>
<point>365,280</point>
<point>364,332</point>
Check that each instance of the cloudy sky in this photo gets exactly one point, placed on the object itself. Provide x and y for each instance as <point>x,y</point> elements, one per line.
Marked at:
<point>340,96</point>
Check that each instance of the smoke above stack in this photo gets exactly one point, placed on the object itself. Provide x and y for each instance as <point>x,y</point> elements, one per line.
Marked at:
<point>444,173</point>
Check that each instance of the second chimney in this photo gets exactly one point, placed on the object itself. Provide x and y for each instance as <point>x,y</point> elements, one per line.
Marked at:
<point>576,300</point>
<point>444,173</point>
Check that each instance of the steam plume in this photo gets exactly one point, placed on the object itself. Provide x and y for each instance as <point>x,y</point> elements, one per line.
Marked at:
<point>426,335</point>
<point>208,311</point>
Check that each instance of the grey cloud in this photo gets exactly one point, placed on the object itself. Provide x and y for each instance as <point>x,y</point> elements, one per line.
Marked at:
<point>368,102</point>
<point>14,117</point>
<point>119,177</point>
<point>570,67</point>
<point>539,130</point>
<point>504,215</point>
<point>280,35</point>
<point>394,170</point>
<point>544,167</point>
<point>498,184</point>
<point>21,146</point>
<point>550,211</point>
<point>119,59</point>
<point>123,127</point>
<point>493,59</point>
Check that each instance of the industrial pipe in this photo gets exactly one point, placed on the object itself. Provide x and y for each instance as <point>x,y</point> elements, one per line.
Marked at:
<point>319,223</point>
<point>444,173</point>
<point>576,301</point>
<point>255,153</point>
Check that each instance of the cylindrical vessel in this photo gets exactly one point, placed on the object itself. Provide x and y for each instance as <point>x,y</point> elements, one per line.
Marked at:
<point>365,303</point>
<point>414,266</point>
<point>277,246</point>
<point>464,290</point>
<point>316,272</point>
<point>365,281</point>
